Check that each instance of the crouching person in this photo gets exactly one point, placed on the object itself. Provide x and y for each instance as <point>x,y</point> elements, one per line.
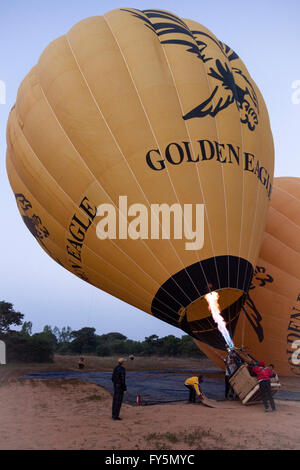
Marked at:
<point>193,385</point>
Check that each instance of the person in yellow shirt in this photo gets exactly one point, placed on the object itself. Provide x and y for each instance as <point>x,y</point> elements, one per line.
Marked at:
<point>193,385</point>
<point>81,363</point>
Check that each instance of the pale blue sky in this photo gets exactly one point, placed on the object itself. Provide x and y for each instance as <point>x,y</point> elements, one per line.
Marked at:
<point>264,33</point>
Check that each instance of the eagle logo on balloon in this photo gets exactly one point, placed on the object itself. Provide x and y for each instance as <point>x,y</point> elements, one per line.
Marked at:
<point>34,223</point>
<point>229,79</point>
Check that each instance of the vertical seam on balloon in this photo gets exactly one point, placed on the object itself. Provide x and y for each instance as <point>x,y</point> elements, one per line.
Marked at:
<point>258,247</point>
<point>222,171</point>
<point>197,166</point>
<point>258,190</point>
<point>147,117</point>
<point>73,203</point>
<point>225,202</point>
<point>223,179</point>
<point>253,227</point>
<point>189,136</point>
<point>243,191</point>
<point>148,248</point>
<point>242,216</point>
<point>200,184</point>
<point>199,179</point>
<point>265,212</point>
<point>242,142</point>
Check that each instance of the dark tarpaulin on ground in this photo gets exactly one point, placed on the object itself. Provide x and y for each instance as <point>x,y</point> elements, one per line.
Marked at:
<point>154,386</point>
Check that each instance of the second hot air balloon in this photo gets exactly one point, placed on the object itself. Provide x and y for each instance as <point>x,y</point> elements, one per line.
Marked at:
<point>269,323</point>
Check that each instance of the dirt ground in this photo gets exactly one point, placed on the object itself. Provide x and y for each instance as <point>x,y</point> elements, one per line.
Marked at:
<point>70,414</point>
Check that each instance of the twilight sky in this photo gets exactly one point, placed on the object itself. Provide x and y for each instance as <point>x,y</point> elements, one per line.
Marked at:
<point>264,33</point>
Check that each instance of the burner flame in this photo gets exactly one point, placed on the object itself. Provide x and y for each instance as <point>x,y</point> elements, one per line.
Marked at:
<point>213,305</point>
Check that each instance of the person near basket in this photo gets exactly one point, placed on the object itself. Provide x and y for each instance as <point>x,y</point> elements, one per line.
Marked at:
<point>230,368</point>
<point>264,375</point>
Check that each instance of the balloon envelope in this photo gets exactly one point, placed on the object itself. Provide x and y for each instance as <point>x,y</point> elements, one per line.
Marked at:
<point>132,110</point>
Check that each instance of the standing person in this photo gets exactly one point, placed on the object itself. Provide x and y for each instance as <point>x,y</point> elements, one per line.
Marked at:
<point>264,375</point>
<point>81,363</point>
<point>193,385</point>
<point>229,370</point>
<point>237,359</point>
<point>118,379</point>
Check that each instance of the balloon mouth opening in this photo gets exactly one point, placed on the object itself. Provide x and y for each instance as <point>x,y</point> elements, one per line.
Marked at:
<point>201,324</point>
<point>181,302</point>
<point>199,309</point>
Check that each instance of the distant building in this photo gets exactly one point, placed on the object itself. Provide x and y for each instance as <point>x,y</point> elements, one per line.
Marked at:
<point>2,352</point>
<point>2,92</point>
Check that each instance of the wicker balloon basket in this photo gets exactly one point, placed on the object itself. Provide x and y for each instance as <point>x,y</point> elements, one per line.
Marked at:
<point>247,387</point>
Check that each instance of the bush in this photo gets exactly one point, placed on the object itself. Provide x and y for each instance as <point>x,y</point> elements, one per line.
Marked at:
<point>63,348</point>
<point>103,350</point>
<point>188,347</point>
<point>84,342</point>
<point>41,350</point>
<point>21,348</point>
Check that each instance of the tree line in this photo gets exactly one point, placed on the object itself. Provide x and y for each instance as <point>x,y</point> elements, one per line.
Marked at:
<point>25,346</point>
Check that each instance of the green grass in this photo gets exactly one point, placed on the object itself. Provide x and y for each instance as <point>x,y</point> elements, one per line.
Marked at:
<point>169,436</point>
<point>195,438</point>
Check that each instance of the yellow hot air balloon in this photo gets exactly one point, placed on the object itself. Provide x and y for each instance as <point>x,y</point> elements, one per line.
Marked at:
<point>145,110</point>
<point>269,325</point>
